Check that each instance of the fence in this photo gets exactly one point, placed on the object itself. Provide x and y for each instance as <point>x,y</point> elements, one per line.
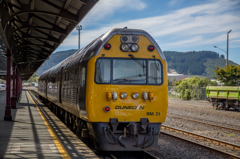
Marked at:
<point>193,93</point>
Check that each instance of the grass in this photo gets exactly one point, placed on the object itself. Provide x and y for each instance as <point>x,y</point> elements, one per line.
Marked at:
<point>230,134</point>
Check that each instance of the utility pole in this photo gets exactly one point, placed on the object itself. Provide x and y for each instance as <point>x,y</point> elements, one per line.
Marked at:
<point>227,44</point>
<point>227,47</point>
<point>79,27</point>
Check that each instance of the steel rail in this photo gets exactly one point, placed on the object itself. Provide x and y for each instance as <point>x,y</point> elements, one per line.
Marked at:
<point>134,155</point>
<point>204,146</point>
<point>229,128</point>
<point>223,143</point>
<point>210,111</point>
<point>208,120</point>
<point>205,138</point>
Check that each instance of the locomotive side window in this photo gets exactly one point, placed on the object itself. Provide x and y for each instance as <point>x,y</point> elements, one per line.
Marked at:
<point>154,72</point>
<point>83,76</point>
<point>103,70</point>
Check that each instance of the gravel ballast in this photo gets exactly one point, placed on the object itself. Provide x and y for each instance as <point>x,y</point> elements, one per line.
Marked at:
<point>169,147</point>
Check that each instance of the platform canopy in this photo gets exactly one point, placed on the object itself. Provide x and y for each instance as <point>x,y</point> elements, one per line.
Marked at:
<point>3,59</point>
<point>33,29</point>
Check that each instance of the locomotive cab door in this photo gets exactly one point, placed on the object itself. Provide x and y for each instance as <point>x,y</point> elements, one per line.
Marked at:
<point>79,88</point>
<point>82,92</point>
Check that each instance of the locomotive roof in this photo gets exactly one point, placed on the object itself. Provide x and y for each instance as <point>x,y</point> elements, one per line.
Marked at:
<point>93,49</point>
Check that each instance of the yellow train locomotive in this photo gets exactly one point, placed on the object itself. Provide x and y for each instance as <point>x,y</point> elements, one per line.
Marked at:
<point>115,90</point>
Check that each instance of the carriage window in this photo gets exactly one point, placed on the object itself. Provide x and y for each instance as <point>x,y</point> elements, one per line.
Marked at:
<point>79,70</point>
<point>71,75</point>
<point>154,72</point>
<point>103,69</point>
<point>75,74</point>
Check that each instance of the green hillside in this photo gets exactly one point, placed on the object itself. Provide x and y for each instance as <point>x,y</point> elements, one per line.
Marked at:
<point>188,63</point>
<point>54,59</point>
<point>195,62</point>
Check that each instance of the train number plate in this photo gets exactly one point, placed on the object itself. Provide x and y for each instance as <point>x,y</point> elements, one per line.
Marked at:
<point>153,113</point>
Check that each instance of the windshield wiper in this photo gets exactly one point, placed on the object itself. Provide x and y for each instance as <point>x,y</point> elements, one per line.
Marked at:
<point>129,77</point>
<point>101,61</point>
<point>156,62</point>
<point>137,61</point>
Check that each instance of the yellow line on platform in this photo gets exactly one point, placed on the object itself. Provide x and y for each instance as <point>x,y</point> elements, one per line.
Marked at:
<point>57,142</point>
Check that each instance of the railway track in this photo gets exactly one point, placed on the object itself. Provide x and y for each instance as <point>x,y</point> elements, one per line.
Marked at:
<point>237,128</point>
<point>226,148</point>
<point>209,111</point>
<point>132,155</point>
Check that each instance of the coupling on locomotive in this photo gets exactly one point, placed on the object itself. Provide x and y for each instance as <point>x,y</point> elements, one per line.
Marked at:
<point>114,90</point>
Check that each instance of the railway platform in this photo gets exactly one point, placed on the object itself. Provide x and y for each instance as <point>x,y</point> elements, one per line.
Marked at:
<point>35,132</point>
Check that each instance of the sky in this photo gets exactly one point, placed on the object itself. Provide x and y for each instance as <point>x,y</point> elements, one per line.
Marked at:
<point>176,25</point>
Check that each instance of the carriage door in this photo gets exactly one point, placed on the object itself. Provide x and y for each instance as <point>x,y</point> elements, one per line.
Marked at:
<point>60,86</point>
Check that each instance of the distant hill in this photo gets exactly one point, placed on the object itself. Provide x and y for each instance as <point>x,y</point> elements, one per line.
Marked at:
<point>188,63</point>
<point>54,59</point>
<point>195,62</point>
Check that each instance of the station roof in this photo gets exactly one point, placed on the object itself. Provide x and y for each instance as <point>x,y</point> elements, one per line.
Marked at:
<point>3,59</point>
<point>33,29</point>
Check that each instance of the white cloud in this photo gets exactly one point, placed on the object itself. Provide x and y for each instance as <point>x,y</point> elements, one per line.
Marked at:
<point>173,2</point>
<point>105,8</point>
<point>184,42</point>
<point>196,25</point>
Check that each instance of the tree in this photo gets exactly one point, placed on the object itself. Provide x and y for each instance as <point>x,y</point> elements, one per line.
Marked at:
<point>169,83</point>
<point>230,75</point>
<point>173,81</point>
<point>222,56</point>
<point>34,78</point>
<point>190,88</point>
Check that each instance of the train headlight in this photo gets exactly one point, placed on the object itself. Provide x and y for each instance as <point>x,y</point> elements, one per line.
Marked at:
<point>135,38</point>
<point>129,39</point>
<point>144,96</point>
<point>123,95</point>
<point>135,95</point>
<point>124,38</point>
<point>106,109</point>
<point>109,96</point>
<point>114,96</point>
<point>150,95</point>
<point>124,47</point>
<point>134,47</point>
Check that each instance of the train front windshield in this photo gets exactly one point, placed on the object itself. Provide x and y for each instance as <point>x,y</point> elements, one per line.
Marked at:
<point>128,71</point>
